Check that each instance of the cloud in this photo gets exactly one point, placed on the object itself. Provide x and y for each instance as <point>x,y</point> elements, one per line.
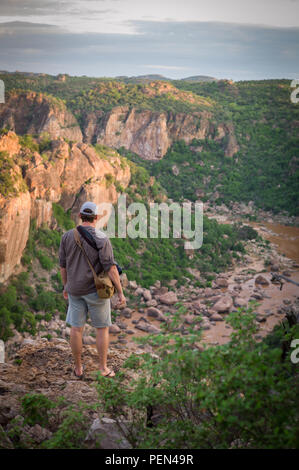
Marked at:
<point>31,7</point>
<point>38,8</point>
<point>166,67</point>
<point>223,50</point>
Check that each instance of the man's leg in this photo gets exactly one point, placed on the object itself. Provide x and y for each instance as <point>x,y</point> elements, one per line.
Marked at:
<point>76,345</point>
<point>102,343</point>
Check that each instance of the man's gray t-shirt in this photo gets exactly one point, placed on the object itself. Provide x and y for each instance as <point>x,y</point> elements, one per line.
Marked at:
<point>79,275</point>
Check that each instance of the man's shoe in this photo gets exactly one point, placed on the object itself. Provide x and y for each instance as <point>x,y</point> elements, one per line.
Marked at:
<point>80,377</point>
<point>111,374</point>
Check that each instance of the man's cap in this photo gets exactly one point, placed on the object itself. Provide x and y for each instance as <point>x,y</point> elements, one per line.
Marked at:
<point>89,208</point>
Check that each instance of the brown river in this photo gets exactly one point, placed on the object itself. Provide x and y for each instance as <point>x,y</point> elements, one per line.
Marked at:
<point>286,241</point>
<point>285,238</point>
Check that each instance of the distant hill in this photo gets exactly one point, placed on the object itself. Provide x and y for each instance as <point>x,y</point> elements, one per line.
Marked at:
<point>151,77</point>
<point>200,78</point>
<point>142,78</point>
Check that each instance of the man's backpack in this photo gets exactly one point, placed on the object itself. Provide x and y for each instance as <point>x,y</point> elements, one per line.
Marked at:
<point>103,283</point>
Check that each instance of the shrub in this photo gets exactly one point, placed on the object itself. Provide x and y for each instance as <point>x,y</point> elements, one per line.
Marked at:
<point>45,300</point>
<point>70,433</point>
<point>5,322</point>
<point>63,218</point>
<point>235,395</point>
<point>36,407</point>
<point>45,261</point>
<point>29,142</point>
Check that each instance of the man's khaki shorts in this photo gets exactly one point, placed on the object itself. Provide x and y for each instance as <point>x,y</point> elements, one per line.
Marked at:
<point>98,309</point>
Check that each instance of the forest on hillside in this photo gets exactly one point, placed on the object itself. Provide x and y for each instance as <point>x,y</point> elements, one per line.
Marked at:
<point>264,170</point>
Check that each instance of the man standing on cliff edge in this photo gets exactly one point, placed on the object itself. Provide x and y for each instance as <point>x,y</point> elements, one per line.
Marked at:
<point>80,290</point>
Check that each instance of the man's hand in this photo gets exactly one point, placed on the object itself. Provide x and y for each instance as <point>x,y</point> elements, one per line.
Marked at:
<point>114,276</point>
<point>64,281</point>
<point>121,300</point>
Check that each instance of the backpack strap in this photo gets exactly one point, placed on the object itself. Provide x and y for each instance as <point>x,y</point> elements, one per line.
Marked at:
<point>87,237</point>
<point>78,242</point>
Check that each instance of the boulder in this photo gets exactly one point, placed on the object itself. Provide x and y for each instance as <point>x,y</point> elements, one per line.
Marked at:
<point>124,280</point>
<point>239,302</point>
<point>216,317</point>
<point>275,267</point>
<point>205,325</point>
<point>221,282</point>
<point>106,433</point>
<point>208,292</point>
<point>261,280</point>
<point>39,434</point>
<point>133,284</point>
<point>147,294</point>
<point>147,327</point>
<point>169,298</point>
<point>197,306</point>
<point>153,329</point>
<point>121,325</point>
<point>152,303</point>
<point>127,312</point>
<point>142,325</point>
<point>114,329</point>
<point>153,312</point>
<point>224,304</point>
<point>189,319</point>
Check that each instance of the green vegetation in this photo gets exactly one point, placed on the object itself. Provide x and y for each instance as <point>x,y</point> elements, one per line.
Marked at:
<point>29,142</point>
<point>204,170</point>
<point>11,182</point>
<point>71,431</point>
<point>20,302</point>
<point>148,259</point>
<point>264,170</point>
<point>80,94</point>
<point>109,179</point>
<point>36,408</point>
<point>63,218</point>
<point>237,395</point>
<point>7,184</point>
<point>12,311</point>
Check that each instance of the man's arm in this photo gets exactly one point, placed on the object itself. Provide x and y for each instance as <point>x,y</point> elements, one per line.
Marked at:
<point>64,281</point>
<point>114,276</point>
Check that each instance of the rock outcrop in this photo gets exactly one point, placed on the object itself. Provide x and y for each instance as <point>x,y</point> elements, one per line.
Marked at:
<point>145,132</point>
<point>150,133</point>
<point>35,113</point>
<point>67,174</point>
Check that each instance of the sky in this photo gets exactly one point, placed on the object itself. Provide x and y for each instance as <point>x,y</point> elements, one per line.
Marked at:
<point>234,39</point>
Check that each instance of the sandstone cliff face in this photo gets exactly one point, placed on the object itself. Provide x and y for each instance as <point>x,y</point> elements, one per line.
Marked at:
<point>150,134</point>
<point>68,174</point>
<point>14,230</point>
<point>35,113</point>
<point>147,133</point>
